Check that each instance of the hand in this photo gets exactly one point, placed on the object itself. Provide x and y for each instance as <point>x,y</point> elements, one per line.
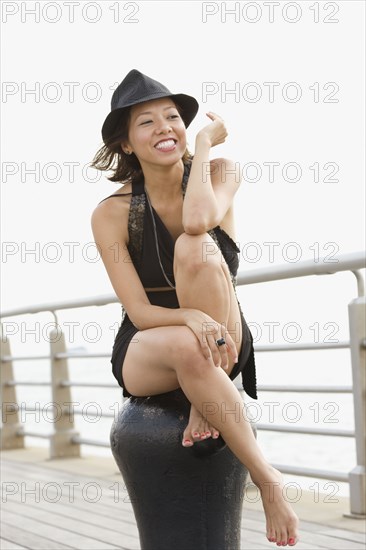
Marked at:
<point>215,132</point>
<point>207,331</point>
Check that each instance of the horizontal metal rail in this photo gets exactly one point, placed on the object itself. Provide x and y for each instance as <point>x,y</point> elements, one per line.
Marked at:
<point>66,383</point>
<point>85,441</point>
<point>301,346</point>
<point>6,358</point>
<point>21,433</point>
<point>258,348</point>
<point>306,389</point>
<point>25,383</point>
<point>304,430</point>
<point>266,388</point>
<point>345,262</point>
<point>68,355</point>
<point>312,472</point>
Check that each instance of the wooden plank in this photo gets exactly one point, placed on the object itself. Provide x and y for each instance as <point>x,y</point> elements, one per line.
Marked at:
<point>106,505</point>
<point>251,541</point>
<point>110,496</point>
<point>347,535</point>
<point>29,539</point>
<point>250,536</point>
<point>56,535</point>
<point>86,513</point>
<point>88,521</point>
<point>8,545</point>
<point>113,516</point>
<point>252,529</point>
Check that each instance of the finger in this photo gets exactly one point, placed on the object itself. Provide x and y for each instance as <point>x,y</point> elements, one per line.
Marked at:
<point>231,347</point>
<point>216,356</point>
<point>213,115</point>
<point>210,115</point>
<point>205,346</point>
<point>223,350</point>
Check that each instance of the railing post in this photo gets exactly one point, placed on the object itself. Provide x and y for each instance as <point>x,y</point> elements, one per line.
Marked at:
<point>63,415</point>
<point>357,476</point>
<point>9,405</point>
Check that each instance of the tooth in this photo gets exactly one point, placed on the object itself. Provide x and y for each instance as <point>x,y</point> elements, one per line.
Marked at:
<point>166,143</point>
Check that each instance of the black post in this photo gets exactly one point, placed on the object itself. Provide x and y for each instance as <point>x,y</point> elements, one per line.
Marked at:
<point>184,498</point>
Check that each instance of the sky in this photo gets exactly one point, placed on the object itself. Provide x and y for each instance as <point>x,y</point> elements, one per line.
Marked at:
<point>289,83</point>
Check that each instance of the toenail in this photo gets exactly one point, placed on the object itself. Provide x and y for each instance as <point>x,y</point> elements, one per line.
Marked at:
<point>187,442</point>
<point>291,541</point>
<point>196,434</point>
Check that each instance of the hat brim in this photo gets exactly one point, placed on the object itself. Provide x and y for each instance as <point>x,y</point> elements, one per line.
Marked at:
<point>188,105</point>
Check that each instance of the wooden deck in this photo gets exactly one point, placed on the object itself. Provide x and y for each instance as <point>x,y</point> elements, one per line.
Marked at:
<point>81,503</point>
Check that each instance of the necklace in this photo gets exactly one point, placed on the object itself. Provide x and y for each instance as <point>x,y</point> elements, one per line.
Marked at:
<point>156,242</point>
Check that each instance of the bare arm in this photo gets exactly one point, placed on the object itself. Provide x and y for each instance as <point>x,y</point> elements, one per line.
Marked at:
<point>110,235</point>
<point>211,185</point>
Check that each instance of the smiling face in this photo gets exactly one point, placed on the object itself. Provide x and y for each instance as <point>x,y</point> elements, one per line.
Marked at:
<point>157,134</point>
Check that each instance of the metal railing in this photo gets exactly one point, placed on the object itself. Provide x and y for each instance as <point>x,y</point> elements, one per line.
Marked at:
<point>65,441</point>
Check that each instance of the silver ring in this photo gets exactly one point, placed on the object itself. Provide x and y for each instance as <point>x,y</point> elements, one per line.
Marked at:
<point>220,342</point>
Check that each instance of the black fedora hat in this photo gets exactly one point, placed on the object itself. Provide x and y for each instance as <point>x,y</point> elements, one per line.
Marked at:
<point>137,88</point>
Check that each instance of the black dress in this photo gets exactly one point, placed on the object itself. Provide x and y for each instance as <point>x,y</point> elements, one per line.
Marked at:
<point>142,249</point>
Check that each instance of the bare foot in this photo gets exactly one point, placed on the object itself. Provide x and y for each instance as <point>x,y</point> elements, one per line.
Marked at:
<point>282,522</point>
<point>198,429</point>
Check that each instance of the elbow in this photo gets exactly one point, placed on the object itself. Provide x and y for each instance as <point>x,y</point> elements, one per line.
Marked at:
<point>140,317</point>
<point>194,229</point>
<point>198,224</point>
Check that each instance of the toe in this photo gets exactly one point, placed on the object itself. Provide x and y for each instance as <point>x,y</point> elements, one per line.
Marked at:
<point>271,533</point>
<point>292,539</point>
<point>292,532</point>
<point>207,430</point>
<point>284,537</point>
<point>187,439</point>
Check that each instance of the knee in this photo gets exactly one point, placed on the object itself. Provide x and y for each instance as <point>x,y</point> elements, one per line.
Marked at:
<point>193,252</point>
<point>188,355</point>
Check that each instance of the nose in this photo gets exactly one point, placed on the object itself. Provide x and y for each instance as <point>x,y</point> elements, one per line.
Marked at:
<point>163,126</point>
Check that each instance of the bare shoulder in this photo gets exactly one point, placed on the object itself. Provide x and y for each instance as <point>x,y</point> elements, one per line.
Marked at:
<point>115,204</point>
<point>111,215</point>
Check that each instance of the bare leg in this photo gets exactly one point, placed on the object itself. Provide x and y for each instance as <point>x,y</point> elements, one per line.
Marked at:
<point>163,359</point>
<point>213,395</point>
<point>193,272</point>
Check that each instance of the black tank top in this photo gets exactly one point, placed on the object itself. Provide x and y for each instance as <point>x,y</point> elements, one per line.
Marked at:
<point>142,245</point>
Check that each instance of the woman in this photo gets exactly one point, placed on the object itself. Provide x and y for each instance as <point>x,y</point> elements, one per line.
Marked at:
<point>167,245</point>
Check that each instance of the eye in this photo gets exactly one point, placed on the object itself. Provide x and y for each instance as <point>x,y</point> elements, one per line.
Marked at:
<point>145,122</point>
<point>174,116</point>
